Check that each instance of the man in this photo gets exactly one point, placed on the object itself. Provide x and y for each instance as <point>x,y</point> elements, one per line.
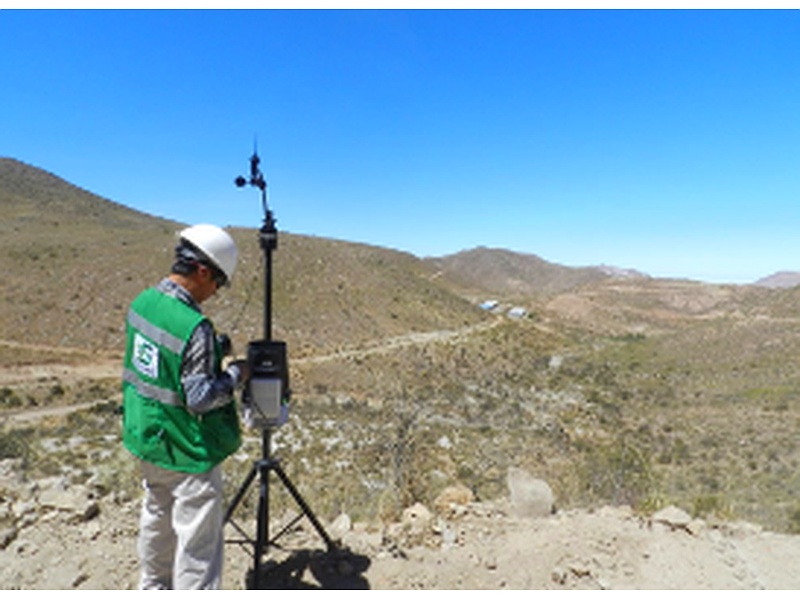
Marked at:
<point>179,418</point>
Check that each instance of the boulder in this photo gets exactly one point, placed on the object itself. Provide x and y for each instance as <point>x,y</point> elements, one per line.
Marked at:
<point>340,527</point>
<point>530,497</point>
<point>672,518</point>
<point>452,499</point>
<point>417,518</point>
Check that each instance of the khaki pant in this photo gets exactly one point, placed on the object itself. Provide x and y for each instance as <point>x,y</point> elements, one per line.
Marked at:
<point>180,534</point>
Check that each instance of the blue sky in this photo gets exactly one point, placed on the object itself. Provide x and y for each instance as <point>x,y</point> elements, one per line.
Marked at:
<point>665,141</point>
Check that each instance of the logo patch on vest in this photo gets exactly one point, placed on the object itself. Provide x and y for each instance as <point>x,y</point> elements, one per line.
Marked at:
<point>145,356</point>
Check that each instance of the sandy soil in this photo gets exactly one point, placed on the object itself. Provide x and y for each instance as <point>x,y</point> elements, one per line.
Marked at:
<point>483,548</point>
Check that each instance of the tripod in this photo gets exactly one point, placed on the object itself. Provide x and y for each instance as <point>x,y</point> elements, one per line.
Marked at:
<point>268,238</point>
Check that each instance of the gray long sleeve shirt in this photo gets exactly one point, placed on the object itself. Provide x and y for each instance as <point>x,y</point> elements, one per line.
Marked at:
<point>206,389</point>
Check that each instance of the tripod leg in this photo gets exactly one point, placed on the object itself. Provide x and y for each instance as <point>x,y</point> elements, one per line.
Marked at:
<point>302,503</point>
<point>240,494</point>
<point>262,526</point>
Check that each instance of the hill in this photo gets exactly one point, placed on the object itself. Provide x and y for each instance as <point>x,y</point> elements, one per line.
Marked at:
<point>782,279</point>
<point>617,389</point>
<point>511,274</point>
<point>73,261</point>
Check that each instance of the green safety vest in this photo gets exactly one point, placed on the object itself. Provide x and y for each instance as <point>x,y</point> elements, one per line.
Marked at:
<point>157,425</point>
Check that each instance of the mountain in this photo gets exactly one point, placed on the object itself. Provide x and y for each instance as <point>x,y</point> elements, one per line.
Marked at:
<point>502,272</point>
<point>781,279</point>
<point>74,261</point>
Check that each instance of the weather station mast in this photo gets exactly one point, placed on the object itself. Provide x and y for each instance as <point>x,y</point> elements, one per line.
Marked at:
<point>265,404</point>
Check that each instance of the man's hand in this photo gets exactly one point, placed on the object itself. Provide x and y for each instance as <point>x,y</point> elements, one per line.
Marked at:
<point>242,369</point>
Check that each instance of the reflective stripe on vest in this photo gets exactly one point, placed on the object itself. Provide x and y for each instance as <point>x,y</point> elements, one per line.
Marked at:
<point>148,390</point>
<point>158,335</point>
<point>165,339</point>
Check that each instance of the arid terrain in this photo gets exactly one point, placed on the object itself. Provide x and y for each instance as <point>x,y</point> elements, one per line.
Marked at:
<point>662,415</point>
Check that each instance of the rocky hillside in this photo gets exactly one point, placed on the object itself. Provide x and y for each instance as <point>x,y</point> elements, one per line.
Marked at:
<point>73,261</point>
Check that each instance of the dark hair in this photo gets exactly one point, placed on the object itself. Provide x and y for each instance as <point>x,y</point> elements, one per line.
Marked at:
<point>181,267</point>
<point>188,257</point>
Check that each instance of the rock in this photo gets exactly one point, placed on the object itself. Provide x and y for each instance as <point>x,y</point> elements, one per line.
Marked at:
<point>7,536</point>
<point>91,531</point>
<point>559,575</point>
<point>71,499</point>
<point>340,527</point>
<point>6,510</point>
<point>79,579</point>
<point>446,533</point>
<point>673,518</point>
<point>530,497</point>
<point>417,518</point>
<point>449,536</point>
<point>696,527</point>
<point>363,539</point>
<point>91,511</point>
<point>444,442</point>
<point>452,497</point>
<point>11,478</point>
<point>22,509</point>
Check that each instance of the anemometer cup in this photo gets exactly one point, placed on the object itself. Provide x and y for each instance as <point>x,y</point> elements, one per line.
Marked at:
<point>265,400</point>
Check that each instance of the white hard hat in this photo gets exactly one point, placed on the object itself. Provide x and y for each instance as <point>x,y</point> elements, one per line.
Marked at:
<point>215,243</point>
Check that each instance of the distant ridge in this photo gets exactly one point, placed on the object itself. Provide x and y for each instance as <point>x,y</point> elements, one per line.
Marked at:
<point>621,273</point>
<point>505,272</point>
<point>781,279</point>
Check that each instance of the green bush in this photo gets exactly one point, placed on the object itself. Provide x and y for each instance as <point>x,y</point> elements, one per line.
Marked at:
<point>619,472</point>
<point>15,443</point>
<point>9,398</point>
<point>794,520</point>
<point>711,505</point>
